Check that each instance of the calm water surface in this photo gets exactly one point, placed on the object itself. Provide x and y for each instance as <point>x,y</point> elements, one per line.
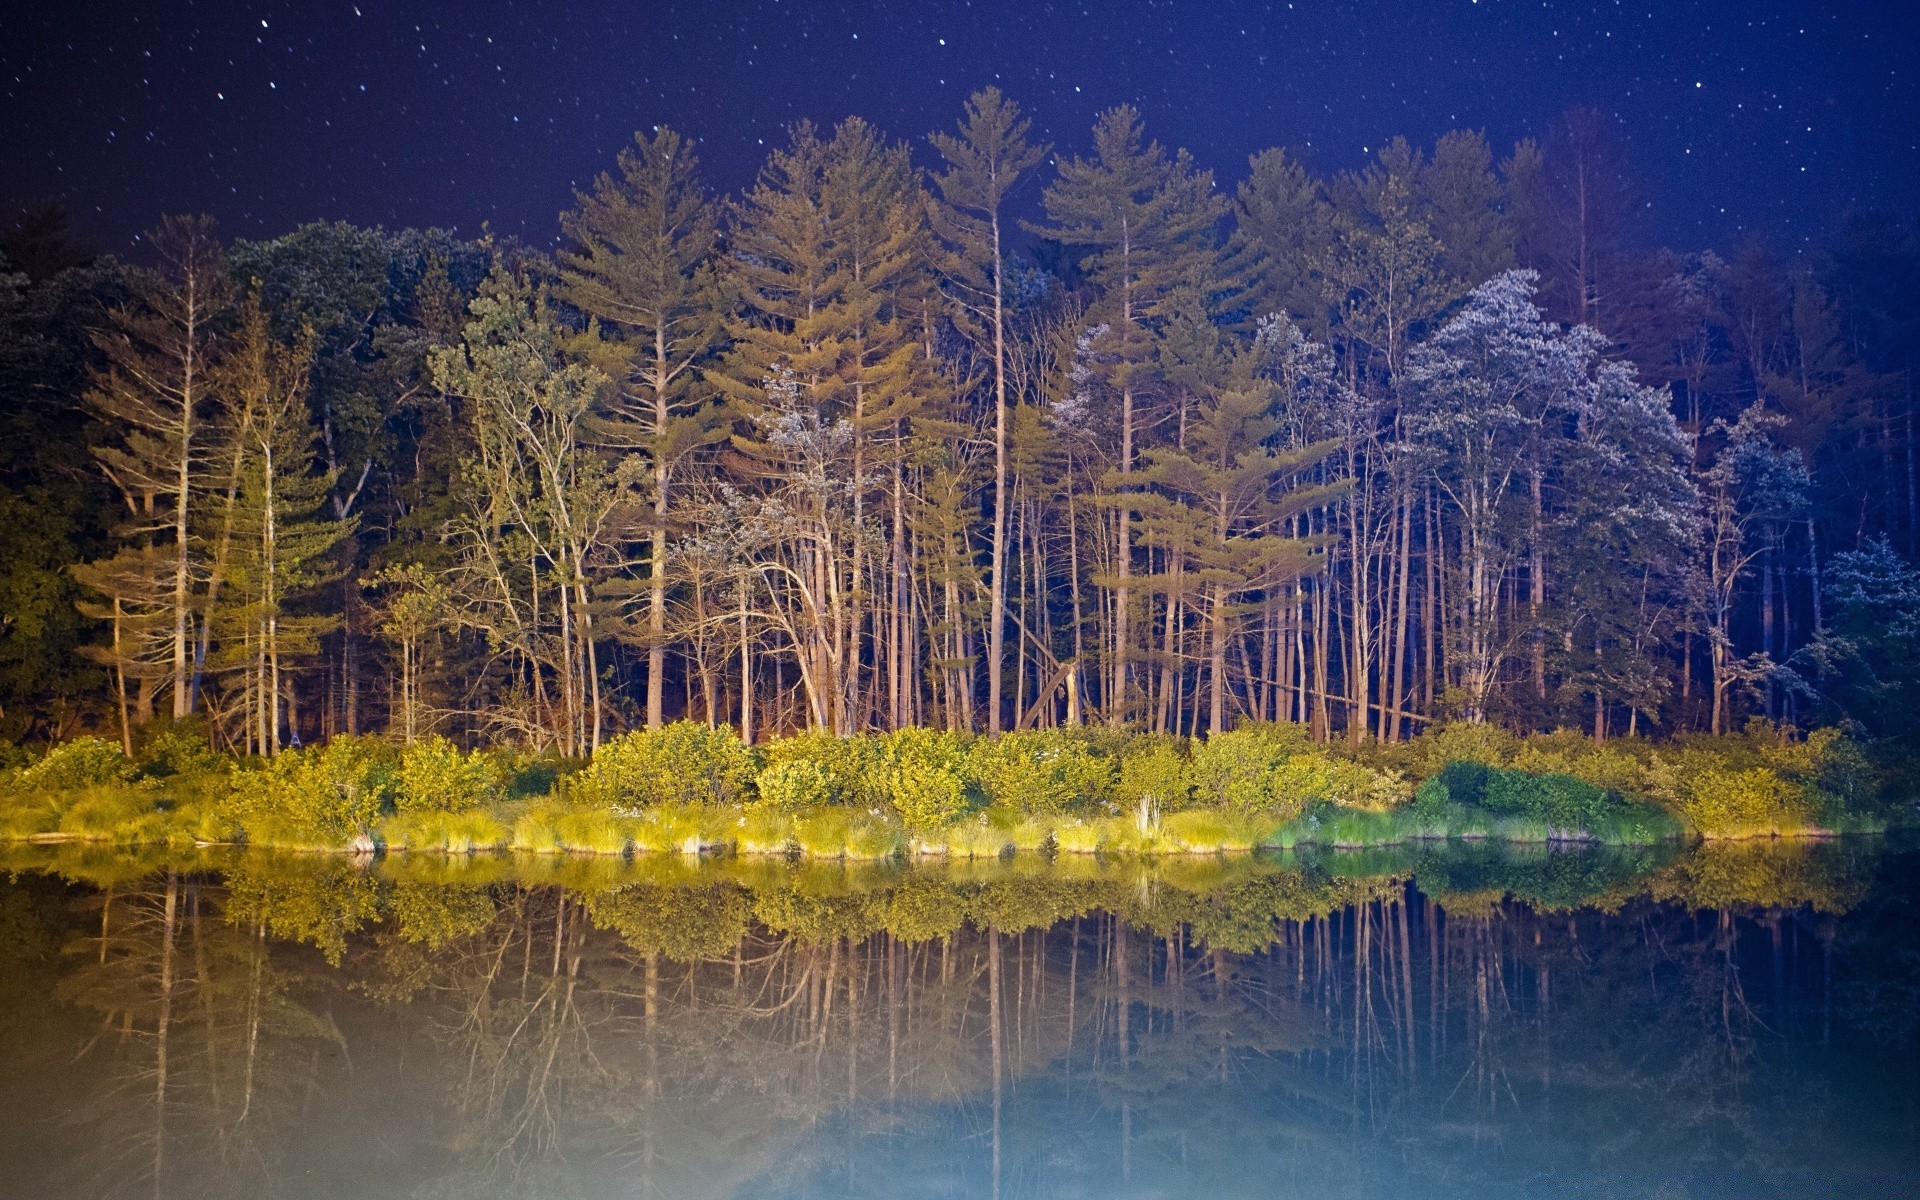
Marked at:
<point>1735,1021</point>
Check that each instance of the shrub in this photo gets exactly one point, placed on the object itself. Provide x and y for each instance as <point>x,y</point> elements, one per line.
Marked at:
<point>1618,765</point>
<point>1237,770</point>
<point>436,777</point>
<point>1046,771</point>
<point>1460,741</point>
<point>322,795</point>
<point>1154,778</point>
<point>815,768</point>
<point>178,748</point>
<point>1272,772</point>
<point>924,777</point>
<point>683,763</point>
<point>82,762</point>
<point>1722,798</point>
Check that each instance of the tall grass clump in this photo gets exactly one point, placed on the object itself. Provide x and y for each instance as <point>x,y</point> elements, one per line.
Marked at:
<point>464,832</point>
<point>563,829</point>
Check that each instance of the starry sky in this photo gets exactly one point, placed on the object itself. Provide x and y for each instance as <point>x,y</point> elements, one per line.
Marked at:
<point>1738,114</point>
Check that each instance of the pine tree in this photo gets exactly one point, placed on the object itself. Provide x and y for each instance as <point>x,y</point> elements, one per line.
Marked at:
<point>1145,221</point>
<point>1221,494</point>
<point>284,534</point>
<point>644,262</point>
<point>985,161</point>
<point>155,401</point>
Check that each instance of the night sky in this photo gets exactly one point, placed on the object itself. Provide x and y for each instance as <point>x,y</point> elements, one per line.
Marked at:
<point>1744,114</point>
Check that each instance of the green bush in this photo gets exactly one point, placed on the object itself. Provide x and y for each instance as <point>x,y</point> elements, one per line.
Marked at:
<point>178,748</point>
<point>319,796</point>
<point>923,776</point>
<point>1272,772</point>
<point>436,776</point>
<point>1155,777</point>
<point>70,766</point>
<point>815,768</point>
<point>1045,772</point>
<point>1237,771</point>
<point>683,763</point>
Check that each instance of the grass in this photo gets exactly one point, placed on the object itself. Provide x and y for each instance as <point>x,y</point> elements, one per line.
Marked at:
<point>470,832</point>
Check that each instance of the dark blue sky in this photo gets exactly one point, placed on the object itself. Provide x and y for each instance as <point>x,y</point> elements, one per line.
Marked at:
<point>1739,115</point>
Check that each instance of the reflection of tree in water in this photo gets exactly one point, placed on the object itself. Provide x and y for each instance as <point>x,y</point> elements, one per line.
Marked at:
<point>664,1029</point>
<point>201,1050</point>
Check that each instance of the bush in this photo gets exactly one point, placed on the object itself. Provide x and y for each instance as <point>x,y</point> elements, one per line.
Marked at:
<point>923,776</point>
<point>815,768</point>
<point>1154,778</point>
<point>1045,771</point>
<point>435,776</point>
<point>178,748</point>
<point>1721,798</point>
<point>683,763</point>
<point>70,766</point>
<point>319,796</point>
<point>1237,771</point>
<point>1459,741</point>
<point>1271,772</point>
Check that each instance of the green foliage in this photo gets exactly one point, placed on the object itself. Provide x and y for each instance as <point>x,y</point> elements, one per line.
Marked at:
<point>682,763</point>
<point>82,762</point>
<point>174,748</point>
<point>923,775</point>
<point>1154,778</point>
<point>815,768</point>
<point>317,797</point>
<point>1273,772</point>
<point>1048,771</point>
<point>437,776</point>
<point>1462,741</point>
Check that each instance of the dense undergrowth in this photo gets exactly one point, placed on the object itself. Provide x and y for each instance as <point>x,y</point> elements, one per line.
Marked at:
<point>922,792</point>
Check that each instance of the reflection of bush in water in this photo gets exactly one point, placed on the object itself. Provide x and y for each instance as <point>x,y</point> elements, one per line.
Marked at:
<point>318,899</point>
<point>685,924</point>
<point>682,906</point>
<point>1829,877</point>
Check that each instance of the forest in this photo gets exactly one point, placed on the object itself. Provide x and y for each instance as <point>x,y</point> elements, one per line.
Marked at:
<point>970,433</point>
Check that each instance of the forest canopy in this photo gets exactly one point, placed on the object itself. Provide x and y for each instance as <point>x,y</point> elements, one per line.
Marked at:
<point>973,433</point>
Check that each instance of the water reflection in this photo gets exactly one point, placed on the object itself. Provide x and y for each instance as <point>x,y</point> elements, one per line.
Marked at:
<point>1419,1022</point>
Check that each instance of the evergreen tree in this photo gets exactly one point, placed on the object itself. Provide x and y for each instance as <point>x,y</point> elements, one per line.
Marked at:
<point>645,264</point>
<point>155,402</point>
<point>985,160</point>
<point>1145,222</point>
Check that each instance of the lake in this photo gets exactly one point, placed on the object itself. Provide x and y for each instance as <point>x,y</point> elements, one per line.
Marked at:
<point>1462,1020</point>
